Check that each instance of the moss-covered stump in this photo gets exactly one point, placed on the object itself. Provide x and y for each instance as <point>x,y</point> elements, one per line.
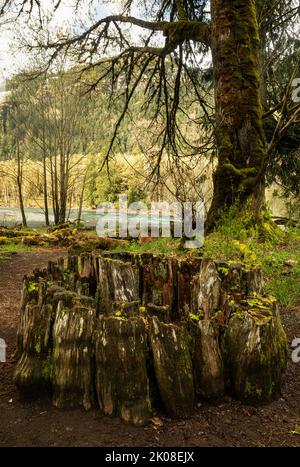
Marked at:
<point>207,360</point>
<point>121,374</point>
<point>32,376</point>
<point>73,357</point>
<point>122,323</point>
<point>236,277</point>
<point>173,367</point>
<point>256,349</point>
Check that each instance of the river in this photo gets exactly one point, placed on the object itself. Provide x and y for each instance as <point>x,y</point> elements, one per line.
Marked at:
<point>36,217</point>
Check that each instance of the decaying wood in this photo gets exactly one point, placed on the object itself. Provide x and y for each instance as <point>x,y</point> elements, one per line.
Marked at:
<point>207,360</point>
<point>173,367</point>
<point>141,329</point>
<point>121,374</point>
<point>73,357</point>
<point>31,374</point>
<point>256,352</point>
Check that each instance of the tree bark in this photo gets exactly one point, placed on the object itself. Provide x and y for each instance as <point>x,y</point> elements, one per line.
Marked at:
<point>62,190</point>
<point>136,362</point>
<point>45,191</point>
<point>19,185</point>
<point>81,201</point>
<point>239,130</point>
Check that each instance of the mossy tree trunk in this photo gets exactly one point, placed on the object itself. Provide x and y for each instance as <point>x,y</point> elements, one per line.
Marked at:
<point>238,121</point>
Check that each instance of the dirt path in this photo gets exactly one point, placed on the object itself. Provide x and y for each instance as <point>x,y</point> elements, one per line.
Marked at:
<point>228,423</point>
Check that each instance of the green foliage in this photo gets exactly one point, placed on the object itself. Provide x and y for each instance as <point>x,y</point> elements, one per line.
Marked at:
<point>196,316</point>
<point>282,279</point>
<point>238,239</point>
<point>159,246</point>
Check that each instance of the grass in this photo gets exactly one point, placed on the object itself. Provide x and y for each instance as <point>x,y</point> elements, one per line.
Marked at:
<point>14,245</point>
<point>164,246</point>
<point>40,230</point>
<point>283,281</point>
<point>13,248</point>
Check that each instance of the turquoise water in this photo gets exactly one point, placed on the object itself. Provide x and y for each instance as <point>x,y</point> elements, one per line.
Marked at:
<point>36,218</point>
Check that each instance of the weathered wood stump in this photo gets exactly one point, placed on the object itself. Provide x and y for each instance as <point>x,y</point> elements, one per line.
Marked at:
<point>207,360</point>
<point>73,357</point>
<point>32,374</point>
<point>173,367</point>
<point>127,332</point>
<point>118,282</point>
<point>256,350</point>
<point>121,374</point>
<point>157,280</point>
<point>206,292</point>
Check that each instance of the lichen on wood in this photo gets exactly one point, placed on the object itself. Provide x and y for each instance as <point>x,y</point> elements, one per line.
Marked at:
<point>73,357</point>
<point>151,332</point>
<point>121,375</point>
<point>173,367</point>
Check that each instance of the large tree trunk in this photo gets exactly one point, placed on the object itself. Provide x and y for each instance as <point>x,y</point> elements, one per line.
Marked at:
<point>239,131</point>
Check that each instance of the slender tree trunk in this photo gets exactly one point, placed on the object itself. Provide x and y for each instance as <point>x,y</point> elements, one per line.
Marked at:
<point>56,201</point>
<point>62,160</point>
<point>239,130</point>
<point>45,188</point>
<point>52,186</point>
<point>63,193</point>
<point>81,200</point>
<point>19,186</point>
<point>45,184</point>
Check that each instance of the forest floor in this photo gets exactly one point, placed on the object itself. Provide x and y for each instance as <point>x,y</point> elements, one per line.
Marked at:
<point>223,423</point>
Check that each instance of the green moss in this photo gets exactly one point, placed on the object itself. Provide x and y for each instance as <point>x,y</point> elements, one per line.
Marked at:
<point>259,307</point>
<point>48,368</point>
<point>239,314</point>
<point>196,316</point>
<point>252,391</point>
<point>33,286</point>
<point>38,346</point>
<point>182,30</point>
<point>223,271</point>
<point>4,241</point>
<point>241,173</point>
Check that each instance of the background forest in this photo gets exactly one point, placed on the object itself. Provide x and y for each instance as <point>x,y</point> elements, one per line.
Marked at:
<point>72,135</point>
